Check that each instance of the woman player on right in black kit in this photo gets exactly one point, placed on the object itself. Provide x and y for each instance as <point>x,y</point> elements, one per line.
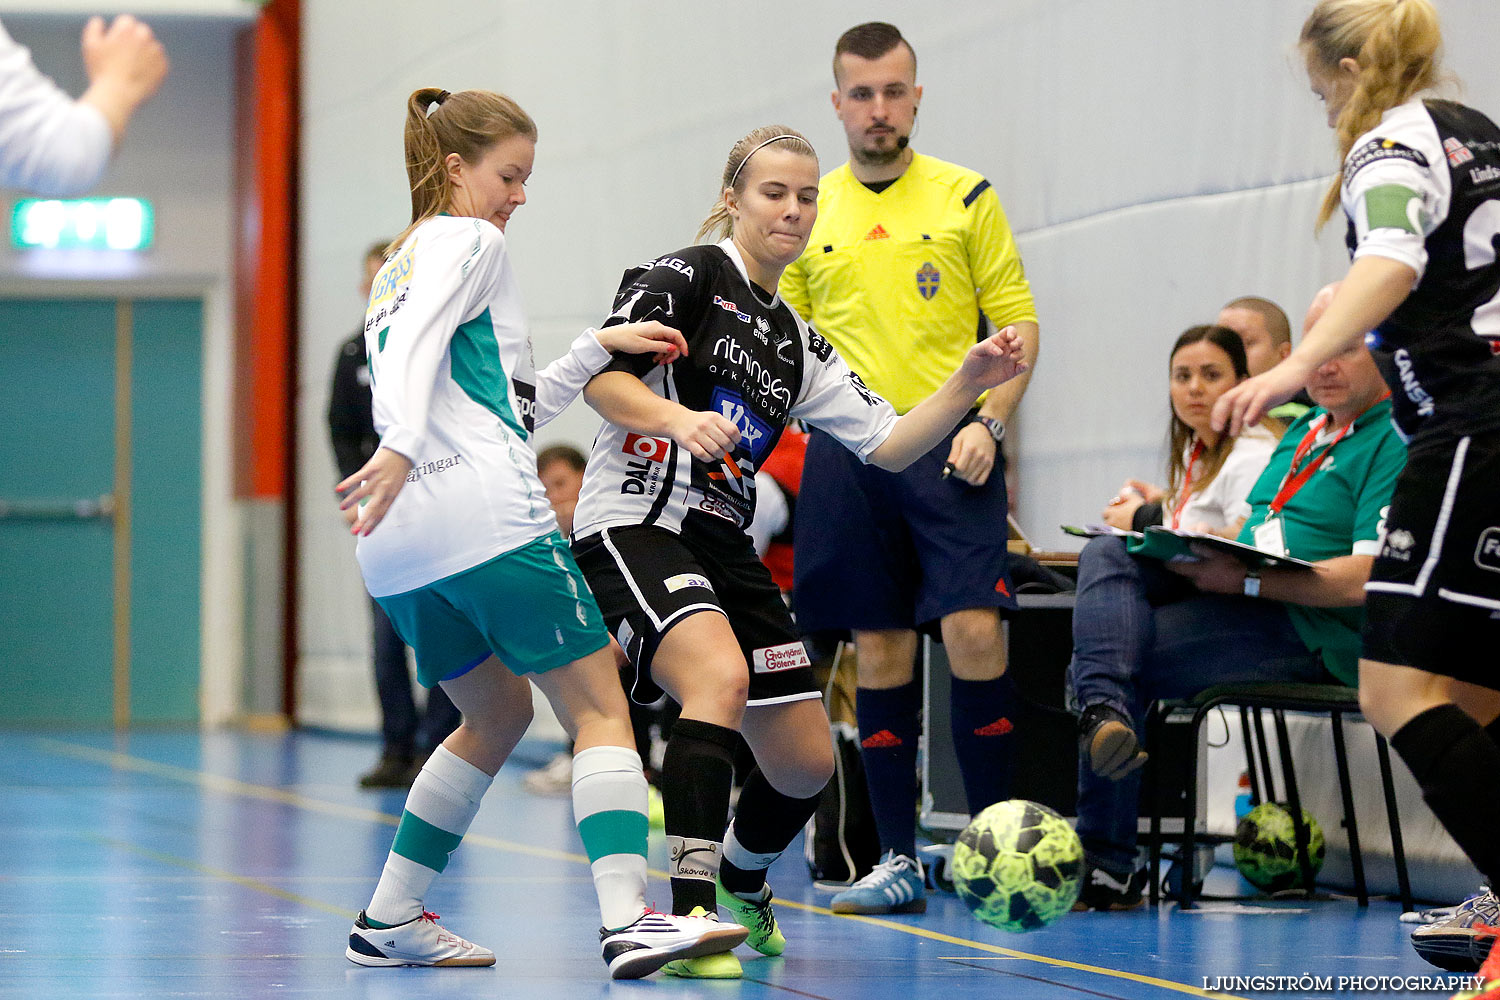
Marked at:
<point>1421,189</point>
<point>669,490</point>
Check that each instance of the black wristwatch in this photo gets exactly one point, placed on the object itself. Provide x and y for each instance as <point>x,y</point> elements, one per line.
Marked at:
<point>994,425</point>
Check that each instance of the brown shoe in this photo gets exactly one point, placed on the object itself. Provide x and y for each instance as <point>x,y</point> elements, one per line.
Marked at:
<point>393,770</point>
<point>1109,742</point>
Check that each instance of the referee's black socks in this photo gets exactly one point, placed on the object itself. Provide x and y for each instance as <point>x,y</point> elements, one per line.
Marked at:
<point>1456,763</point>
<point>983,715</point>
<point>889,725</point>
<point>696,774</point>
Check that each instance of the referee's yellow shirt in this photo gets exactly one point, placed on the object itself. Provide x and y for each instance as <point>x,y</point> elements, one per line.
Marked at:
<point>897,280</point>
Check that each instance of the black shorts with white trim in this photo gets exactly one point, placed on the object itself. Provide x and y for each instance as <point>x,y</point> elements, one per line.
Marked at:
<point>647,579</point>
<point>1433,600</point>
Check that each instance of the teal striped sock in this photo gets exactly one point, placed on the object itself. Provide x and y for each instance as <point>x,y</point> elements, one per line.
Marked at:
<point>439,808</point>
<point>609,803</point>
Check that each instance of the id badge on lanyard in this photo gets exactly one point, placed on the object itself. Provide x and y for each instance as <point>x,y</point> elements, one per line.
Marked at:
<point>1269,536</point>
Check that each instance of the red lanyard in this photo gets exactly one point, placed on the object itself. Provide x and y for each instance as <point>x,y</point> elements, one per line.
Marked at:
<point>1187,483</point>
<point>1295,479</point>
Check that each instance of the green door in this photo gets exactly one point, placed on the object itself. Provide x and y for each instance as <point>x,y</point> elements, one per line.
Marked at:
<point>99,516</point>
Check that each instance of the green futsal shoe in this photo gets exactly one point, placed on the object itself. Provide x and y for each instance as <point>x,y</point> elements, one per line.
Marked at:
<point>756,915</point>
<point>720,965</point>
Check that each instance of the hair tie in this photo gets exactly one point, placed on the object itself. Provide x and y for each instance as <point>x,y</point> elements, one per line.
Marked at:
<point>775,138</point>
<point>437,102</point>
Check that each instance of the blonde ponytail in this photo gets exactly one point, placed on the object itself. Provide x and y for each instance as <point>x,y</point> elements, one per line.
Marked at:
<point>1396,44</point>
<point>438,123</point>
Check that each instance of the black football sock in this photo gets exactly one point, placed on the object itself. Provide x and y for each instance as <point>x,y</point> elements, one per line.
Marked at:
<point>1455,762</point>
<point>765,822</point>
<point>695,778</point>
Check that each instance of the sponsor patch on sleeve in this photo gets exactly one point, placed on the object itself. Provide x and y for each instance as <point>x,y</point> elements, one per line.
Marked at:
<point>818,346</point>
<point>684,580</point>
<point>1394,206</point>
<point>864,391</point>
<point>775,659</point>
<point>1380,149</point>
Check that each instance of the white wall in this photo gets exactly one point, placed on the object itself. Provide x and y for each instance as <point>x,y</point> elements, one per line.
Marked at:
<point>1156,159</point>
<point>177,154</point>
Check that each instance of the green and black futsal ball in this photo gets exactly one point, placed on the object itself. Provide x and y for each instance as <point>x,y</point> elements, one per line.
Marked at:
<point>1018,865</point>
<point>1265,847</point>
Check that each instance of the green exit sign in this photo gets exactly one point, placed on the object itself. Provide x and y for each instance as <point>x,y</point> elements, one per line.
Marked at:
<point>82,224</point>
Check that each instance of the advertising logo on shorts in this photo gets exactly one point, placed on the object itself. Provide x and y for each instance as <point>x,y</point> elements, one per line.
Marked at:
<point>1398,545</point>
<point>755,433</point>
<point>775,659</point>
<point>1487,554</point>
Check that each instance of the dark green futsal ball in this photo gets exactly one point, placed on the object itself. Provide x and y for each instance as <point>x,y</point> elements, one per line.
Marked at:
<point>1265,847</point>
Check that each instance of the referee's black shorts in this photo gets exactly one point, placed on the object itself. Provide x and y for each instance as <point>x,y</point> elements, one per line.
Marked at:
<point>1433,599</point>
<point>896,550</point>
<point>647,579</point>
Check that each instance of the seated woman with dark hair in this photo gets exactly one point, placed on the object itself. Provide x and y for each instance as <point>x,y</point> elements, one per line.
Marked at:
<point>1208,474</point>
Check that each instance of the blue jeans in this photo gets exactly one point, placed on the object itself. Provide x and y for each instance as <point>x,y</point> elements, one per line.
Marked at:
<point>403,732</point>
<point>1142,633</point>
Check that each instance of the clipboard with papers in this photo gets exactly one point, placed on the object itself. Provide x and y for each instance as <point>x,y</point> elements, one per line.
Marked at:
<point>1169,544</point>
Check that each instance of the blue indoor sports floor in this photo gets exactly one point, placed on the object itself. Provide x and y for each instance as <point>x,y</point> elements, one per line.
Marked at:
<point>226,864</point>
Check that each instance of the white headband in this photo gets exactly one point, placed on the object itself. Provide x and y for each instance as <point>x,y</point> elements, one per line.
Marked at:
<point>775,138</point>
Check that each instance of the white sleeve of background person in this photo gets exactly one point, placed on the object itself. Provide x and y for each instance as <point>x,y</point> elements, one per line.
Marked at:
<point>49,143</point>
<point>559,383</point>
<point>836,400</point>
<point>1222,502</point>
<point>771,512</point>
<point>445,269</point>
<point>1380,161</point>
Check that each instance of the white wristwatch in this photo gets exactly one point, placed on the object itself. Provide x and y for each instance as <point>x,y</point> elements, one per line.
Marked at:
<point>1252,583</point>
<point>994,425</point>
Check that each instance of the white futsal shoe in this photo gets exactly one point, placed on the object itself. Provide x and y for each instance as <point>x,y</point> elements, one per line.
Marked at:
<point>658,938</point>
<point>419,941</point>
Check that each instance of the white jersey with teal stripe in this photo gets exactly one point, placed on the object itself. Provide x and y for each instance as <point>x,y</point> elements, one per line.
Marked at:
<point>457,392</point>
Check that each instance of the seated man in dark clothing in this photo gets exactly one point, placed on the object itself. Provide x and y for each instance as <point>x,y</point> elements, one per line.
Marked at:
<point>1144,629</point>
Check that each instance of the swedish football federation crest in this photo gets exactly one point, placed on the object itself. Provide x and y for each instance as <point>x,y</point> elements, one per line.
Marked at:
<point>927,280</point>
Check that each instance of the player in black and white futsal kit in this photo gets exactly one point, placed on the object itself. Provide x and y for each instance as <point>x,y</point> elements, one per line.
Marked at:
<point>1421,189</point>
<point>669,490</point>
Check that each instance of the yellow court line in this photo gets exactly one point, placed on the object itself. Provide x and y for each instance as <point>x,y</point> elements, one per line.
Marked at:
<point>231,786</point>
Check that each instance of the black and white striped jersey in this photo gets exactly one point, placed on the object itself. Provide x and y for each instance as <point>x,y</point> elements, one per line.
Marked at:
<point>751,358</point>
<point>1423,188</point>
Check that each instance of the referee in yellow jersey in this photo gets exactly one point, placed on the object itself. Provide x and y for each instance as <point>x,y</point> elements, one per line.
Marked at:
<point>908,256</point>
